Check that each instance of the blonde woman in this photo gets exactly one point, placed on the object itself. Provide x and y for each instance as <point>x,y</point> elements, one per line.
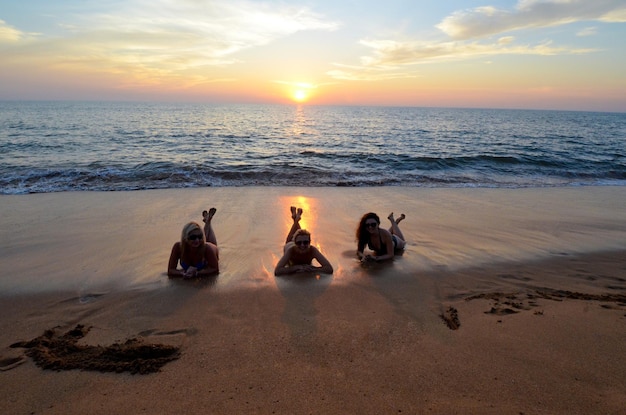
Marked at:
<point>196,252</point>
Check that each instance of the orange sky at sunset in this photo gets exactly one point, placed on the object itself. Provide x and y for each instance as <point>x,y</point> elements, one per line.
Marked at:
<point>545,54</point>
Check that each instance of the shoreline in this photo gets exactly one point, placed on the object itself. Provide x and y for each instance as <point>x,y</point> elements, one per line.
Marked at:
<point>505,302</point>
<point>72,235</point>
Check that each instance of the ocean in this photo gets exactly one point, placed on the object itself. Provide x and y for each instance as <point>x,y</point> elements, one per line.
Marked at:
<point>111,146</point>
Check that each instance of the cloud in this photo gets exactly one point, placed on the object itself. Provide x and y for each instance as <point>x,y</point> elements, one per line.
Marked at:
<point>9,34</point>
<point>392,54</point>
<point>302,85</point>
<point>485,21</point>
<point>358,73</point>
<point>157,39</point>
<point>587,31</point>
<point>616,16</point>
<point>468,28</point>
<point>388,56</point>
<point>214,28</point>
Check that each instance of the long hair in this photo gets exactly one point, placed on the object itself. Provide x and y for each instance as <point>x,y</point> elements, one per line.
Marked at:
<point>184,241</point>
<point>362,235</point>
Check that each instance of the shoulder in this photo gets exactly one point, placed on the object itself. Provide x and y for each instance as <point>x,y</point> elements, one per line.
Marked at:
<point>287,252</point>
<point>385,233</point>
<point>314,250</point>
<point>176,251</point>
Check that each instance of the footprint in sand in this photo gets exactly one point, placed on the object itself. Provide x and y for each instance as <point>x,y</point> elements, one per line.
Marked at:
<point>9,363</point>
<point>501,311</point>
<point>451,317</point>
<point>172,337</point>
<point>155,332</point>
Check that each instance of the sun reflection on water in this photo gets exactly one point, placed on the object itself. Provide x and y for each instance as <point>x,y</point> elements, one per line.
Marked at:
<point>309,209</point>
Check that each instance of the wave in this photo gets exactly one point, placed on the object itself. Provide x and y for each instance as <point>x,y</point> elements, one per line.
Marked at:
<point>52,147</point>
<point>368,170</point>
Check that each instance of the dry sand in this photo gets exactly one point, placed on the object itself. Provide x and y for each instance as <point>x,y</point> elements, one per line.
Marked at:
<point>505,302</point>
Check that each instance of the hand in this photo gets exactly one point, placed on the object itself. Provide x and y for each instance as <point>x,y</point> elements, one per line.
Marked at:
<point>368,258</point>
<point>191,272</point>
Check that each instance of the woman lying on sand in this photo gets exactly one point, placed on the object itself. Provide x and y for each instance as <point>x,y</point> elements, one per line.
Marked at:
<point>197,250</point>
<point>384,243</point>
<point>298,251</point>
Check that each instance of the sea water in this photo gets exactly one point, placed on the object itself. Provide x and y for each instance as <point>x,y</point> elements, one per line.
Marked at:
<point>83,146</point>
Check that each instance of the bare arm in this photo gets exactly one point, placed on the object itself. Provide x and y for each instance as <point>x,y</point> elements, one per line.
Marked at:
<point>389,244</point>
<point>281,268</point>
<point>389,254</point>
<point>172,266</point>
<point>325,267</point>
<point>212,266</point>
<point>359,251</point>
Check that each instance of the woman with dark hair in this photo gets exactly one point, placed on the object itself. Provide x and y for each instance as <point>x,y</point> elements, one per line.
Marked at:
<point>196,252</point>
<point>384,243</point>
<point>298,253</point>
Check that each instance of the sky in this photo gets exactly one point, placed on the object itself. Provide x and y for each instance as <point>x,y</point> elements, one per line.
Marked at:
<point>535,54</point>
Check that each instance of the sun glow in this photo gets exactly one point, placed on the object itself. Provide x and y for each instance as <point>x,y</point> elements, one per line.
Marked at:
<point>300,95</point>
<point>299,92</point>
<point>309,216</point>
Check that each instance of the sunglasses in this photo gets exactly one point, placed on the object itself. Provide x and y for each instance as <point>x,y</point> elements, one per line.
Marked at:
<point>194,237</point>
<point>370,224</point>
<point>303,243</point>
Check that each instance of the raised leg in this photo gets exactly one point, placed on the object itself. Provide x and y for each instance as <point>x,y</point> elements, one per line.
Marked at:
<point>296,214</point>
<point>395,229</point>
<point>208,229</point>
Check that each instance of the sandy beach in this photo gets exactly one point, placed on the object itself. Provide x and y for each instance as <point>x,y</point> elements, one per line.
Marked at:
<point>506,301</point>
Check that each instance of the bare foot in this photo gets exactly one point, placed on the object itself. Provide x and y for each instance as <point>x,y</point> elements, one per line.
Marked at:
<point>390,217</point>
<point>299,215</point>
<point>207,216</point>
<point>402,217</point>
<point>293,212</point>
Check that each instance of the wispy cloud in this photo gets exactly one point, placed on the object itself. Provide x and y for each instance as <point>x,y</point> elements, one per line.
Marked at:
<point>485,21</point>
<point>167,38</point>
<point>388,56</point>
<point>392,54</point>
<point>360,73</point>
<point>212,29</point>
<point>303,85</point>
<point>9,34</point>
<point>469,32</point>
<point>587,31</point>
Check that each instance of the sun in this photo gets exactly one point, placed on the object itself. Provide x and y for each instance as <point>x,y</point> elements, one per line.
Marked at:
<point>300,95</point>
<point>298,92</point>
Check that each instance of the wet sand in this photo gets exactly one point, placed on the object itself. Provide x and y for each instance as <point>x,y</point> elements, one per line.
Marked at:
<point>505,302</point>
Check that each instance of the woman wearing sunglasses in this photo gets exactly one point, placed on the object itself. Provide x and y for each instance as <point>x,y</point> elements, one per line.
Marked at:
<point>384,243</point>
<point>298,251</point>
<point>196,252</point>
